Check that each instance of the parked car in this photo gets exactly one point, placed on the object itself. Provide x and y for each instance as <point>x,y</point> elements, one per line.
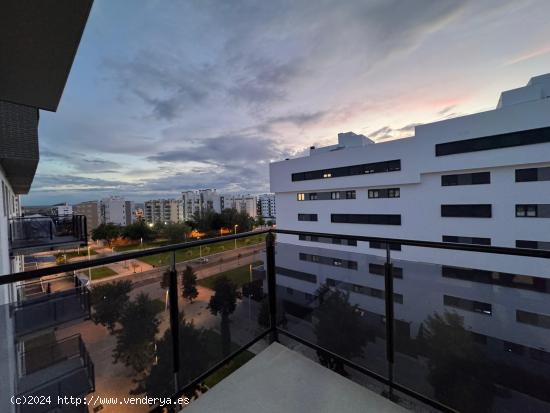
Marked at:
<point>202,260</point>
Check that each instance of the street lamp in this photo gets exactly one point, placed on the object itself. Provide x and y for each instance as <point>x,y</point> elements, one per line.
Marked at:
<point>236,225</point>
<point>200,247</point>
<point>89,268</point>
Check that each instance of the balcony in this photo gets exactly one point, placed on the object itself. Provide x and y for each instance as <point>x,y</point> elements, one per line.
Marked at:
<point>61,368</point>
<point>313,323</point>
<point>43,233</point>
<point>49,310</point>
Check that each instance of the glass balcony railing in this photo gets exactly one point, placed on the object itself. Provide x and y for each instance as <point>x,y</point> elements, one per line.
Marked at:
<point>41,233</point>
<point>431,326</point>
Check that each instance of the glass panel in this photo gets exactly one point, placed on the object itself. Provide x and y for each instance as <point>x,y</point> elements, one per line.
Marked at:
<point>462,336</point>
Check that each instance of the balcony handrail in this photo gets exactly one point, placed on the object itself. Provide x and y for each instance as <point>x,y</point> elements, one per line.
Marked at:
<point>46,347</point>
<point>69,267</point>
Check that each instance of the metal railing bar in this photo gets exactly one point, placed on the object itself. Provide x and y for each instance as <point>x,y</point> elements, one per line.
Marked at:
<point>370,373</point>
<point>214,368</point>
<point>41,272</point>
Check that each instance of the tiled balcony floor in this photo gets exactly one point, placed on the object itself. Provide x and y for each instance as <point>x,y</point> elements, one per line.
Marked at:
<point>280,380</point>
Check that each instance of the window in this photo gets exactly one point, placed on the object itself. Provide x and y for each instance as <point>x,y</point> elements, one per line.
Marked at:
<point>369,168</point>
<point>538,320</point>
<point>360,289</point>
<point>466,211</point>
<point>298,275</point>
<point>476,178</point>
<point>307,217</point>
<point>467,305</point>
<point>533,210</point>
<point>328,240</point>
<point>534,245</point>
<point>323,196</point>
<point>384,193</point>
<point>378,269</point>
<point>382,245</point>
<point>373,219</point>
<point>466,240</point>
<point>335,262</point>
<point>533,174</point>
<point>518,281</point>
<point>505,140</point>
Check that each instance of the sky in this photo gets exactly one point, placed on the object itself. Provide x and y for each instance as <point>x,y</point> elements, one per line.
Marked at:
<point>172,95</point>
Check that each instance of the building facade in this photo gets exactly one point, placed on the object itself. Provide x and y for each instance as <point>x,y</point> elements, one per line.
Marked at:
<point>481,179</point>
<point>266,206</point>
<point>200,201</point>
<point>113,211</point>
<point>92,211</point>
<point>163,210</point>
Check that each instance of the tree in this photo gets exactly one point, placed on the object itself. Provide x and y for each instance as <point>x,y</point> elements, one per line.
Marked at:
<point>176,232</point>
<point>165,280</point>
<point>106,232</point>
<point>260,221</point>
<point>458,370</point>
<point>135,345</point>
<point>263,315</point>
<point>189,284</point>
<point>339,328</point>
<point>224,302</point>
<point>109,301</point>
<point>138,230</point>
<point>196,356</point>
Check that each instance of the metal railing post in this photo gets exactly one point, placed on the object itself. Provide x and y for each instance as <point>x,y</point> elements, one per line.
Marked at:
<point>388,290</point>
<point>174,319</point>
<point>271,284</point>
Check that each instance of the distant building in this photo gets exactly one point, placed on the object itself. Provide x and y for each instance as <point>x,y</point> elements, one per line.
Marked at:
<point>113,210</point>
<point>92,211</point>
<point>266,206</point>
<point>242,203</point>
<point>62,209</point>
<point>200,201</point>
<point>163,210</point>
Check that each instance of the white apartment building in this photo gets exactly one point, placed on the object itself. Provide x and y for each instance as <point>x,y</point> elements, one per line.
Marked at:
<point>242,203</point>
<point>199,201</point>
<point>163,210</point>
<point>481,178</point>
<point>113,211</point>
<point>478,179</point>
<point>266,205</point>
<point>62,210</point>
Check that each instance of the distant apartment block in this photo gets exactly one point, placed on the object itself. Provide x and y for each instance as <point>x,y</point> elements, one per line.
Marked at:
<point>92,211</point>
<point>242,203</point>
<point>163,210</point>
<point>62,209</point>
<point>266,206</point>
<point>199,201</point>
<point>113,211</point>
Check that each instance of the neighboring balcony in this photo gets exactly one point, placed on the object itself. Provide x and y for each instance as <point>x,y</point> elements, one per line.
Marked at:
<point>61,368</point>
<point>43,233</point>
<point>50,310</point>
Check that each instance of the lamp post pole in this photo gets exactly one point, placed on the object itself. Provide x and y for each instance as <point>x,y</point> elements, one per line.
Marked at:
<point>236,225</point>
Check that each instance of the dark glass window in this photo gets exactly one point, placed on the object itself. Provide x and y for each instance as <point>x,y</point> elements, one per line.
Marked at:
<point>384,193</point>
<point>299,275</point>
<point>539,320</point>
<point>360,289</point>
<point>466,211</point>
<point>335,262</point>
<point>382,245</point>
<point>374,219</point>
<point>324,196</point>
<point>368,168</point>
<point>476,178</point>
<point>518,281</point>
<point>505,140</point>
<point>533,174</point>
<point>329,240</point>
<point>533,210</point>
<point>378,269</point>
<point>466,240</point>
<point>468,305</point>
<point>307,217</point>
<point>535,245</point>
